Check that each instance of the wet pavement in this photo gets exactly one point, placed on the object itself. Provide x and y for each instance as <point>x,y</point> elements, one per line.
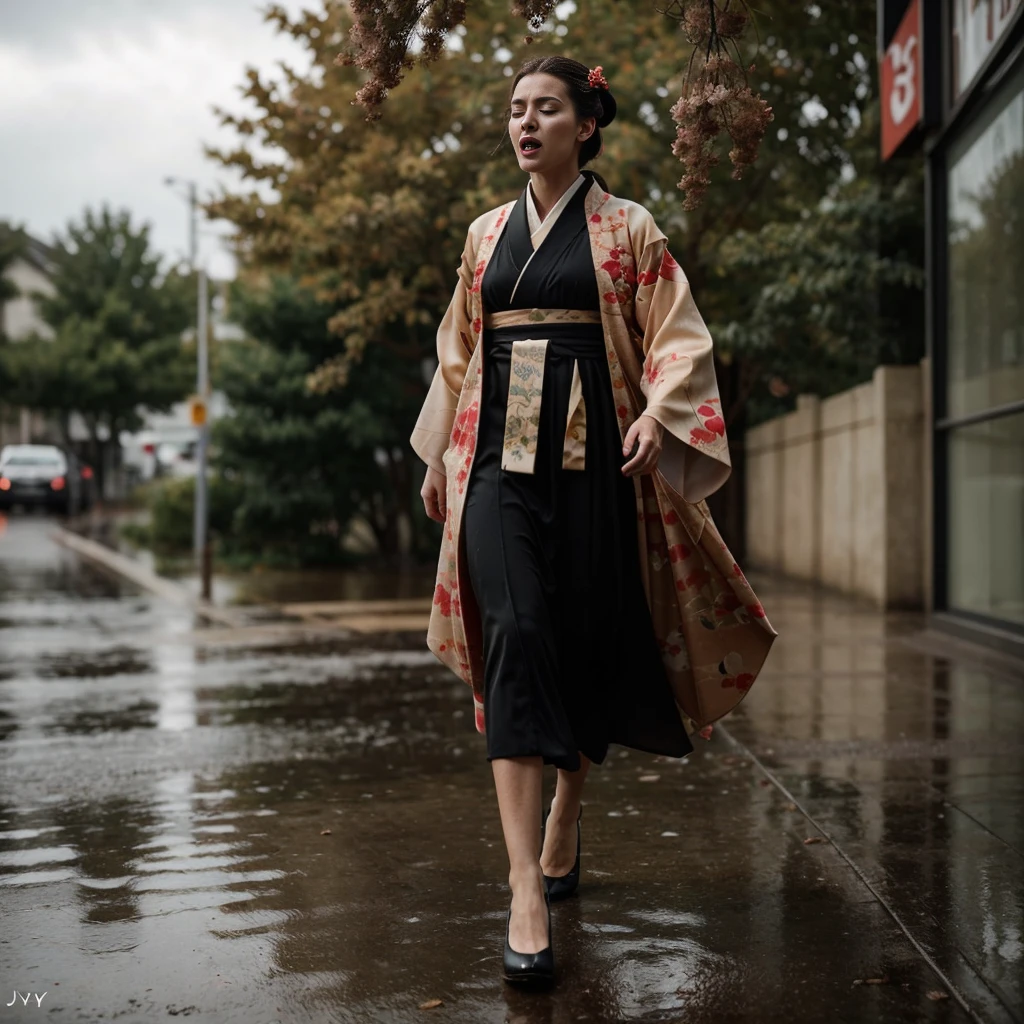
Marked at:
<point>270,824</point>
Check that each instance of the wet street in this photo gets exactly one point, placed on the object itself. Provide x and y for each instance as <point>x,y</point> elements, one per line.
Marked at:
<point>271,823</point>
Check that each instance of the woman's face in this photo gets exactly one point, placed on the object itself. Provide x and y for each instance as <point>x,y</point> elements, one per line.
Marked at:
<point>542,110</point>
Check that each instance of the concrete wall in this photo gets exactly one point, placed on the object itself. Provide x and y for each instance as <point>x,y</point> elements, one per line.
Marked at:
<point>838,490</point>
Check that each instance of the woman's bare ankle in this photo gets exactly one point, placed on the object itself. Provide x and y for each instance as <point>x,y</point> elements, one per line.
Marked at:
<point>564,809</point>
<point>527,880</point>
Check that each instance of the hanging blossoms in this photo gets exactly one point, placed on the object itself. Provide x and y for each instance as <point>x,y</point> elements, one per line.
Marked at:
<point>715,97</point>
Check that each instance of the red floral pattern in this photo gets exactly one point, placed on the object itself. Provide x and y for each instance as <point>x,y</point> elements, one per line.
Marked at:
<point>619,266</point>
<point>743,681</point>
<point>714,425</point>
<point>464,430</point>
<point>478,276</point>
<point>669,269</point>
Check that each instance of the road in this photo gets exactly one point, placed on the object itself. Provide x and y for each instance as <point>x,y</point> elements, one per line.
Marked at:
<point>248,824</point>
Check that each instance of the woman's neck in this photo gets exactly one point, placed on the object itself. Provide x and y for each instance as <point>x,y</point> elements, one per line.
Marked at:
<point>549,188</point>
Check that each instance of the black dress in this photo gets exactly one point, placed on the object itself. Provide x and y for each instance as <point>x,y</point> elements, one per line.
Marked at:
<point>571,663</point>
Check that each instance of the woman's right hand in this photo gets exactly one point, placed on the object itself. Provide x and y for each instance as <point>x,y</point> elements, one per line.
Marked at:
<point>434,494</point>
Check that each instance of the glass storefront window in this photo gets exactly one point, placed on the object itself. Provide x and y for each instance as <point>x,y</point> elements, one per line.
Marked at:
<point>986,518</point>
<point>986,258</point>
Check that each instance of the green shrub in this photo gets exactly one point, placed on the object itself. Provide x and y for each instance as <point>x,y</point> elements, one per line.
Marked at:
<point>172,511</point>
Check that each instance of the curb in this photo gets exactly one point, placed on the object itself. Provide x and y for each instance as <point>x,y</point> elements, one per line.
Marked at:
<point>138,574</point>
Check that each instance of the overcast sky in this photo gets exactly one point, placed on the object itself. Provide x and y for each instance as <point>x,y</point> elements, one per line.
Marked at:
<point>100,100</point>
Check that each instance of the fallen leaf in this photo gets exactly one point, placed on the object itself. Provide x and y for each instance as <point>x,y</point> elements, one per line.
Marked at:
<point>883,980</point>
<point>649,778</point>
<point>325,832</point>
<point>813,839</point>
<point>764,782</point>
<point>937,994</point>
<point>790,807</point>
<point>431,1004</point>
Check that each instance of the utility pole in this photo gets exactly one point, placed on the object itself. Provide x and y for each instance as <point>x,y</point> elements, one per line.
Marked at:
<point>200,404</point>
<point>193,233</point>
<point>200,532</point>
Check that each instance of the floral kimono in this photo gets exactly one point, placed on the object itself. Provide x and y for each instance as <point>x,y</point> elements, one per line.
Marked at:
<point>709,626</point>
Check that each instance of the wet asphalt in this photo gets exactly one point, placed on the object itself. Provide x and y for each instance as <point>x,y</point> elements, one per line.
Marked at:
<point>256,824</point>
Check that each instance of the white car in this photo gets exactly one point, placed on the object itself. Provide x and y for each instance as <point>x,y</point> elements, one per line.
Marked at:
<point>39,474</point>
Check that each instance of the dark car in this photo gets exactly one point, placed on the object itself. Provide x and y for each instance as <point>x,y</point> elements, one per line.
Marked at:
<point>39,474</point>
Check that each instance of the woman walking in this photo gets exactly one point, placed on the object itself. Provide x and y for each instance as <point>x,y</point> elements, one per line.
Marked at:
<point>571,433</point>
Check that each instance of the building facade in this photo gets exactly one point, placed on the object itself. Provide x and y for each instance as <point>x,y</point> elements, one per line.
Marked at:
<point>952,76</point>
<point>20,322</point>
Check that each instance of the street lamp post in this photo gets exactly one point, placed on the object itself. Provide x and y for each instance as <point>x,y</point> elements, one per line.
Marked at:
<point>200,406</point>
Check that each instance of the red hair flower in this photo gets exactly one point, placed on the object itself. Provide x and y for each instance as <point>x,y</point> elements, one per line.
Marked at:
<point>596,80</point>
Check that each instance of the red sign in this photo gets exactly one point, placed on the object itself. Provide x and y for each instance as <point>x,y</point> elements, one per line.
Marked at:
<point>902,82</point>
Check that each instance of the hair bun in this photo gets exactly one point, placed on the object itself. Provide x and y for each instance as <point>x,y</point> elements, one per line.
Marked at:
<point>608,108</point>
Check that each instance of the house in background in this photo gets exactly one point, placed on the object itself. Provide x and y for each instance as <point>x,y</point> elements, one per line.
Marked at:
<point>19,321</point>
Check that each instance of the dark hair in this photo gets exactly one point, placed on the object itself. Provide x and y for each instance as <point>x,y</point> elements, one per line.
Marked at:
<point>587,100</point>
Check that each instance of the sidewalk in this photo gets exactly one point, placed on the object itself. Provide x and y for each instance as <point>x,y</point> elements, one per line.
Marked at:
<point>295,821</point>
<point>906,750</point>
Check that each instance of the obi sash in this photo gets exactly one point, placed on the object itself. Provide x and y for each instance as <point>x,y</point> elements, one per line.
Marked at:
<point>526,386</point>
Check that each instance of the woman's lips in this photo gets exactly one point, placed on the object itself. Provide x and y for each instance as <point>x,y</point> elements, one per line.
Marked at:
<point>530,152</point>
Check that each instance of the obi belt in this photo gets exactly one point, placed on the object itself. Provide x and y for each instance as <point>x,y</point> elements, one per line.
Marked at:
<point>526,385</point>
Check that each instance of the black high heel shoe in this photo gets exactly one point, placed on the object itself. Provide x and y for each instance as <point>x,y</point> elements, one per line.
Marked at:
<point>529,968</point>
<point>560,886</point>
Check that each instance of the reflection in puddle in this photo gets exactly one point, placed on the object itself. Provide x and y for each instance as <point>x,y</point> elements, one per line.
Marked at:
<point>139,715</point>
<point>114,661</point>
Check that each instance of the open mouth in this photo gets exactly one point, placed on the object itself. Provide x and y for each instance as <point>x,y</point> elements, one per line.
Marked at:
<point>529,147</point>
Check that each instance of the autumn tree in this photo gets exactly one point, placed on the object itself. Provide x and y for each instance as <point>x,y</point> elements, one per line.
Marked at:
<point>372,215</point>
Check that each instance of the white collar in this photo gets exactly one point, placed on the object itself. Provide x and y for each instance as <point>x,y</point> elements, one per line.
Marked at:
<point>539,228</point>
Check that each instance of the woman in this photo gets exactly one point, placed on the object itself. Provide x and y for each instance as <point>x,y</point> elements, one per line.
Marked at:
<point>584,594</point>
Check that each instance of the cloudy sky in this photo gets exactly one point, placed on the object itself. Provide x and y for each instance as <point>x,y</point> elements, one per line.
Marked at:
<point>101,100</point>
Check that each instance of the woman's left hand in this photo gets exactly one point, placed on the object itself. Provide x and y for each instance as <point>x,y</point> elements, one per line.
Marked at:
<point>648,432</point>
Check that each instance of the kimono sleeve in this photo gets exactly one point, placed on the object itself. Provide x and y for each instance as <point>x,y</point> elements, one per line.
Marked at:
<point>432,432</point>
<point>678,378</point>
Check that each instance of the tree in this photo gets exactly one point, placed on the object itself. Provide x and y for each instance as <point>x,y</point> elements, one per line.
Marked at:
<point>812,318</point>
<point>304,461</point>
<point>372,215</point>
<point>715,98</point>
<point>117,323</point>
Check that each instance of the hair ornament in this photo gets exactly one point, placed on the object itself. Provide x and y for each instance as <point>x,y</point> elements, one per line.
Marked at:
<point>595,79</point>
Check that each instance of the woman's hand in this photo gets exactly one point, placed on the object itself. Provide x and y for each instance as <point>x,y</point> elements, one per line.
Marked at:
<point>648,431</point>
<point>434,494</point>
